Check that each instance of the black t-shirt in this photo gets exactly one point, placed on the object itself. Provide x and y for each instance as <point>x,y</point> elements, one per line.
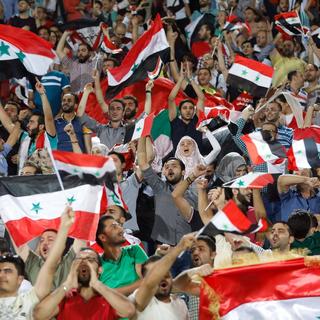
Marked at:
<point>16,21</point>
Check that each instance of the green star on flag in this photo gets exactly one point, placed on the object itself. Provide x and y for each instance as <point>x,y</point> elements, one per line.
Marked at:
<point>139,128</point>
<point>71,199</point>
<point>20,55</point>
<point>299,152</point>
<point>97,174</point>
<point>257,78</point>
<point>244,72</point>
<point>240,183</point>
<point>115,200</point>
<point>75,170</point>
<point>268,156</point>
<point>225,227</point>
<point>135,67</point>
<point>4,49</point>
<point>36,207</point>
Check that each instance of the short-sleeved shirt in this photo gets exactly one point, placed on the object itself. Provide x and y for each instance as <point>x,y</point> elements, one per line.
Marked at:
<point>35,262</point>
<point>3,161</point>
<point>176,309</point>
<point>54,82</point>
<point>19,307</point>
<point>75,307</point>
<point>122,272</point>
<point>33,145</point>
<point>18,22</point>
<point>292,200</point>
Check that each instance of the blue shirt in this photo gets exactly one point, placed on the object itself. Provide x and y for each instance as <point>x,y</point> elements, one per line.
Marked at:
<point>3,161</point>
<point>54,82</point>
<point>32,147</point>
<point>292,200</point>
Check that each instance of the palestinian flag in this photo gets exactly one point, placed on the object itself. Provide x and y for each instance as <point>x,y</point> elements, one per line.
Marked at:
<point>23,53</point>
<point>31,204</point>
<point>261,151</point>
<point>289,23</point>
<point>305,149</point>
<point>251,76</point>
<point>253,180</point>
<point>279,290</point>
<point>141,58</point>
<point>232,219</point>
<point>142,128</point>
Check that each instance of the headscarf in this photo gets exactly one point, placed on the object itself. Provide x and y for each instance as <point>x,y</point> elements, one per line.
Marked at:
<point>191,161</point>
<point>226,170</point>
<point>103,149</point>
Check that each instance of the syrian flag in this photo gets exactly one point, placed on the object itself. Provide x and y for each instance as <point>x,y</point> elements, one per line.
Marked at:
<point>142,128</point>
<point>141,58</point>
<point>95,169</point>
<point>108,46</point>
<point>316,37</point>
<point>127,153</point>
<point>30,205</point>
<point>289,23</point>
<point>305,149</point>
<point>152,75</point>
<point>232,219</point>
<point>193,28</point>
<point>250,75</point>
<point>253,180</point>
<point>206,116</point>
<point>261,151</point>
<point>279,290</point>
<point>23,53</point>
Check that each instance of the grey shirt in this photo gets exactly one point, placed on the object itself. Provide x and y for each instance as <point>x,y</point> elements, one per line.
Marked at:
<point>108,136</point>
<point>169,225</point>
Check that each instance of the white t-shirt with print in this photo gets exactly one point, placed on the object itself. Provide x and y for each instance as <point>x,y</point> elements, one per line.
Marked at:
<point>158,310</point>
<point>19,307</point>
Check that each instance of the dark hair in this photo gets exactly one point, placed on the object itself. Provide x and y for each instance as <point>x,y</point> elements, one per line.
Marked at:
<point>244,249</point>
<point>314,221</point>
<point>286,224</point>
<point>115,61</point>
<point>247,41</point>
<point>211,242</point>
<point>183,102</point>
<point>86,45</point>
<point>29,163</point>
<point>98,2</point>
<point>300,223</point>
<point>97,254</point>
<point>43,27</point>
<point>4,246</point>
<point>133,98</point>
<point>151,259</point>
<point>271,124</point>
<point>76,98</point>
<point>182,166</point>
<point>13,103</point>
<point>40,117</point>
<point>204,68</point>
<point>100,228</point>
<point>119,155</point>
<point>119,101</point>
<point>14,259</point>
<point>291,74</point>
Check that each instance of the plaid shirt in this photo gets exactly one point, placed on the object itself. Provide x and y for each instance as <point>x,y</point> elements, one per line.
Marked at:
<point>193,307</point>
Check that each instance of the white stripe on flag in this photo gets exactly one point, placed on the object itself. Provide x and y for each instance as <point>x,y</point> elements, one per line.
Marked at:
<point>263,148</point>
<point>293,309</point>
<point>257,78</point>
<point>50,205</point>
<point>299,152</point>
<point>221,222</point>
<point>158,43</point>
<point>138,128</point>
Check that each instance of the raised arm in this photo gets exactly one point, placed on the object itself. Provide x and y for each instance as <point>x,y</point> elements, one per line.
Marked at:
<point>47,111</point>
<point>205,213</point>
<point>14,135</point>
<point>172,38</point>
<point>148,102</point>
<point>73,138</point>
<point>60,47</point>
<point>216,148</point>
<point>198,91</point>
<point>99,94</point>
<point>45,277</point>
<point>5,120</point>
<point>181,203</point>
<point>142,154</point>
<point>152,279</point>
<point>287,180</point>
<point>83,102</point>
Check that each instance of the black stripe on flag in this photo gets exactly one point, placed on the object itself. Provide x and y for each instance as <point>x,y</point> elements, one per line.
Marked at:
<point>246,85</point>
<point>19,186</point>
<point>140,73</point>
<point>292,28</point>
<point>13,68</point>
<point>277,149</point>
<point>207,19</point>
<point>312,152</point>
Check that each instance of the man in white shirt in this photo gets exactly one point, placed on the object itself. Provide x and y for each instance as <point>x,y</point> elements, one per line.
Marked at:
<point>153,299</point>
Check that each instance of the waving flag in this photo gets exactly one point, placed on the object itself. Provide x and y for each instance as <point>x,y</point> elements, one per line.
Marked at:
<point>250,75</point>
<point>253,180</point>
<point>204,118</point>
<point>261,151</point>
<point>276,290</point>
<point>232,219</point>
<point>23,53</point>
<point>289,23</point>
<point>316,37</point>
<point>152,75</point>
<point>141,58</point>
<point>31,204</point>
<point>142,128</point>
<point>305,149</point>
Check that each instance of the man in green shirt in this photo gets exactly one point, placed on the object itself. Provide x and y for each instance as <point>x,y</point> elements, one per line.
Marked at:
<point>121,265</point>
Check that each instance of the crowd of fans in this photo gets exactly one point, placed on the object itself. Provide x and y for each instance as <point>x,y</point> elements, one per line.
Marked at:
<point>146,259</point>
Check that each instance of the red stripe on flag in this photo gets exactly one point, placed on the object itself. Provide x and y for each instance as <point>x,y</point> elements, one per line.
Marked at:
<point>261,181</point>
<point>254,65</point>
<point>119,72</point>
<point>286,15</point>
<point>292,164</point>
<point>236,216</point>
<point>252,150</point>
<point>82,160</point>
<point>148,121</point>
<point>26,41</point>
<point>262,282</point>
<point>26,229</point>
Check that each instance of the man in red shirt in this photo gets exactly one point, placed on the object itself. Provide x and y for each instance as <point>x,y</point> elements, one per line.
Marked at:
<point>83,296</point>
